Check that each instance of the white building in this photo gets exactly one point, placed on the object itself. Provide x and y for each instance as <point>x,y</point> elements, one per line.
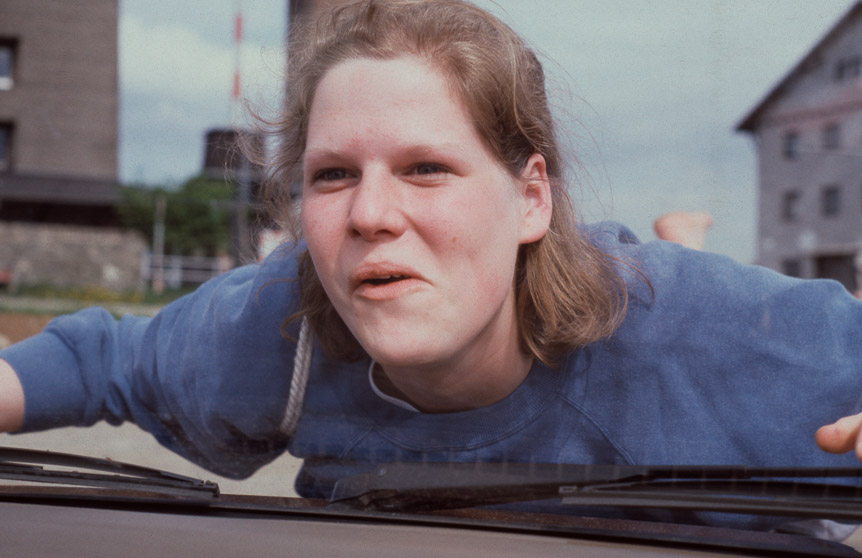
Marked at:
<point>808,132</point>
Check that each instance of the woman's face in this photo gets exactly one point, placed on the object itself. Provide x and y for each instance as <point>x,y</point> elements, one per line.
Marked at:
<point>412,224</point>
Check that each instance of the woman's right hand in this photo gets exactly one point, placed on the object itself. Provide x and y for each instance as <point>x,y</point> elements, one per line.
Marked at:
<point>11,399</point>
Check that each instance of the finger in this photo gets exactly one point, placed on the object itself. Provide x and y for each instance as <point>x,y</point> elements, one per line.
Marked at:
<point>841,436</point>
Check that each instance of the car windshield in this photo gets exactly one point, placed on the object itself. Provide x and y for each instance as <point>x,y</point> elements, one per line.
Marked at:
<point>140,181</point>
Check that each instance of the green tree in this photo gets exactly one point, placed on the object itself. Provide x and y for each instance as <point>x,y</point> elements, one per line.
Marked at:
<point>197,220</point>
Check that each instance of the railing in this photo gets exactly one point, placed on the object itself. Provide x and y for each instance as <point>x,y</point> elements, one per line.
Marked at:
<point>175,271</point>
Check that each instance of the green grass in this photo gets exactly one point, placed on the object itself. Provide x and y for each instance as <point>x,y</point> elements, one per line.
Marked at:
<point>99,295</point>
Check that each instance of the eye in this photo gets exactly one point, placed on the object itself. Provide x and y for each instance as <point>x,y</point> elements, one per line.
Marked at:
<point>329,175</point>
<point>429,168</point>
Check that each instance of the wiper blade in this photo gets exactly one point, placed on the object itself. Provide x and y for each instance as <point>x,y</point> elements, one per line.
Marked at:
<point>30,466</point>
<point>825,493</point>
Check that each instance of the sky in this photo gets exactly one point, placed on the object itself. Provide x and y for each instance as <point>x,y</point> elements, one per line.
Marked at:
<point>648,93</point>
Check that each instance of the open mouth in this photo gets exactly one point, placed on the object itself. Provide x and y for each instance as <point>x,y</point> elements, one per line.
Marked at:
<point>385,280</point>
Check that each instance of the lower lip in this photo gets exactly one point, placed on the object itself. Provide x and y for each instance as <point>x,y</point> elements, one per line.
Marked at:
<point>387,291</point>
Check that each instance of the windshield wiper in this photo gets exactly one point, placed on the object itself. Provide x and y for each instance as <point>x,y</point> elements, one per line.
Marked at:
<point>31,466</point>
<point>824,493</point>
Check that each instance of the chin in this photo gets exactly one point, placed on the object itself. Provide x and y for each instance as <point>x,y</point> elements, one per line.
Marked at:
<point>404,356</point>
<point>402,360</point>
<point>404,343</point>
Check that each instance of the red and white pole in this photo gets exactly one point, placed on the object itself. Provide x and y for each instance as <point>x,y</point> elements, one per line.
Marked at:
<point>236,95</point>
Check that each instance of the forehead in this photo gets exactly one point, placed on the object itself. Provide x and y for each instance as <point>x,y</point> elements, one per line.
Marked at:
<point>404,99</point>
<point>386,74</point>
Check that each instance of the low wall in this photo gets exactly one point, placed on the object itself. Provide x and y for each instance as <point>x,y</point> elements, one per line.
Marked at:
<point>69,256</point>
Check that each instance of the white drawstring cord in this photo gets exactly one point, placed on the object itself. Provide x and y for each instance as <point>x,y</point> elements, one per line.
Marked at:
<point>301,367</point>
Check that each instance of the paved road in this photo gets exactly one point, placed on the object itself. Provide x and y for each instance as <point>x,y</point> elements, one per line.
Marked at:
<point>128,442</point>
<point>63,306</point>
<point>131,444</point>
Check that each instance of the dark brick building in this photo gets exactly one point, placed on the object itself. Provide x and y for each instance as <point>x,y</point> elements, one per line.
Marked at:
<point>58,111</point>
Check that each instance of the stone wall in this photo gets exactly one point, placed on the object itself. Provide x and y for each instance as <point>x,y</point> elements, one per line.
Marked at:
<point>68,256</point>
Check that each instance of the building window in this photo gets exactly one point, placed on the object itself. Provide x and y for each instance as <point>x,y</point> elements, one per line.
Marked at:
<point>831,137</point>
<point>830,200</point>
<point>790,145</point>
<point>848,68</point>
<point>840,267</point>
<point>5,146</point>
<point>7,63</point>
<point>790,206</point>
<point>791,268</point>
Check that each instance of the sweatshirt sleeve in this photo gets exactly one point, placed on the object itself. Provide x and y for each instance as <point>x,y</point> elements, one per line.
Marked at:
<point>208,376</point>
<point>727,363</point>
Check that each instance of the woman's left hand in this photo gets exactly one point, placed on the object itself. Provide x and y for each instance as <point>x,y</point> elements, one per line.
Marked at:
<point>841,436</point>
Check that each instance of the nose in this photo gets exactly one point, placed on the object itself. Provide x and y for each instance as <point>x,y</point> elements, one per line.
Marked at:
<point>377,208</point>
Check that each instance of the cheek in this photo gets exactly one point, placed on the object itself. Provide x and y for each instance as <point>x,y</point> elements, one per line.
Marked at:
<point>317,226</point>
<point>319,231</point>
<point>495,278</point>
<point>493,246</point>
<point>487,228</point>
<point>482,255</point>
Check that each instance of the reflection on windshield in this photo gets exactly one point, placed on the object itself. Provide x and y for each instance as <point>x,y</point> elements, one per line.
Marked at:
<point>440,300</point>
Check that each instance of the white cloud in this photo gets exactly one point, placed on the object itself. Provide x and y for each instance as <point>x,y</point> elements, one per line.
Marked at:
<point>663,83</point>
<point>657,87</point>
<point>176,81</point>
<point>171,59</point>
<point>176,60</point>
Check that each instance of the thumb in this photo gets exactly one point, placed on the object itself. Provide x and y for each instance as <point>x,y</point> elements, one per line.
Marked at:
<point>841,436</point>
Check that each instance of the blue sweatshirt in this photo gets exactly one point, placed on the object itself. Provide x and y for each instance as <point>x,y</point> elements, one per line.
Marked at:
<point>720,364</point>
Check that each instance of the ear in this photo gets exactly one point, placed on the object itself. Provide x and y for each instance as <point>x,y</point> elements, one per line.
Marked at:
<point>536,197</point>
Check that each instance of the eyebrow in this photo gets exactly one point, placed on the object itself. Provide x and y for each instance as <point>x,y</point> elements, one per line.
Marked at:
<point>320,153</point>
<point>447,149</point>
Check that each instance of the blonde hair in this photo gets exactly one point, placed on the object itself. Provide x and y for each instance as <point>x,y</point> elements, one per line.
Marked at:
<point>568,292</point>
